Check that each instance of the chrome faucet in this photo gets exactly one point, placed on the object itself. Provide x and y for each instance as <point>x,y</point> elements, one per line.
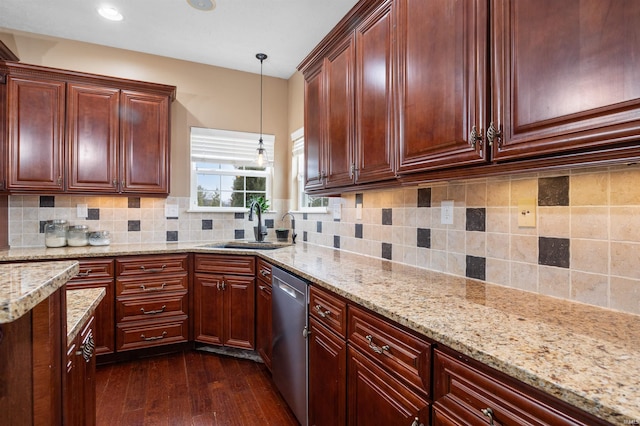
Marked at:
<point>260,234</point>
<point>293,226</point>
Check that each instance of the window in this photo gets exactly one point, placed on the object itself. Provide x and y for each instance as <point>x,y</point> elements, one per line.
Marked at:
<point>224,169</point>
<point>306,202</point>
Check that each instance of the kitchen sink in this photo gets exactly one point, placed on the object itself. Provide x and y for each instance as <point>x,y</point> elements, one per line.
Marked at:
<point>248,245</point>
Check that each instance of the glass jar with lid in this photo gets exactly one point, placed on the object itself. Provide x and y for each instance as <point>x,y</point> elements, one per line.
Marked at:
<point>100,238</point>
<point>78,235</point>
<point>55,233</point>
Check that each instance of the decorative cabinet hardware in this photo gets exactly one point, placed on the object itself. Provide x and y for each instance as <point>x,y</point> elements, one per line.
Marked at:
<point>84,274</point>
<point>86,350</point>
<point>475,137</point>
<point>265,273</point>
<point>157,288</point>
<point>262,287</point>
<point>492,134</point>
<point>154,270</point>
<point>149,339</point>
<point>157,311</point>
<point>322,313</point>
<point>416,422</point>
<point>377,349</point>
<point>306,332</point>
<point>488,412</point>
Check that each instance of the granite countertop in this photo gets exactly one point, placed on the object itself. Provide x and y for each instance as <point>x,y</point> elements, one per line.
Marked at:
<point>81,304</point>
<point>581,354</point>
<point>24,286</point>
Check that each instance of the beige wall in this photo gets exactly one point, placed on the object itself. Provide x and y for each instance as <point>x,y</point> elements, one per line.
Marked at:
<point>207,96</point>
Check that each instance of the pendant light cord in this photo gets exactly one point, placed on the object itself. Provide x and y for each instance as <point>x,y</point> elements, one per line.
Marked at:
<point>261,57</point>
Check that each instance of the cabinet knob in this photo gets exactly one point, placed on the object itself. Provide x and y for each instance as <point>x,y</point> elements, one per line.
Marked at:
<point>475,137</point>
<point>489,413</point>
<point>416,422</point>
<point>493,134</point>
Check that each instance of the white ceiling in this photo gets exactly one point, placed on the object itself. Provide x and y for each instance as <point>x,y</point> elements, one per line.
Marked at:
<point>228,36</point>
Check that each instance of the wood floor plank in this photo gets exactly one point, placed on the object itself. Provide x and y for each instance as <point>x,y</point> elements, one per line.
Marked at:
<point>189,388</point>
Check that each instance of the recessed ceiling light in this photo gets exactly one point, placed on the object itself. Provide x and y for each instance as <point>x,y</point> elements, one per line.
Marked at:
<point>110,13</point>
<point>202,4</point>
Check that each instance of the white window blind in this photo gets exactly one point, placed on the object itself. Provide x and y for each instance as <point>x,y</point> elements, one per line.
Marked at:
<point>223,146</point>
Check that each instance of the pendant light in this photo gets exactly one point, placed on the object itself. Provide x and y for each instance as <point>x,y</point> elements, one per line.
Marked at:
<point>262,152</point>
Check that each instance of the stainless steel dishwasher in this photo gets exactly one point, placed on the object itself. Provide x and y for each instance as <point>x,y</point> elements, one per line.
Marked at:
<point>289,356</point>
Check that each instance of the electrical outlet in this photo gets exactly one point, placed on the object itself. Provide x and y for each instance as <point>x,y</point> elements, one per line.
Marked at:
<point>82,210</point>
<point>527,213</point>
<point>446,217</point>
<point>170,210</point>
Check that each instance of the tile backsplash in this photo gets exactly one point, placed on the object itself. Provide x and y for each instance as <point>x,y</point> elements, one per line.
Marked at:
<point>585,245</point>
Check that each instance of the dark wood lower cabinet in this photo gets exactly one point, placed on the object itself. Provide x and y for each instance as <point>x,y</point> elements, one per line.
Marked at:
<point>264,314</point>
<point>467,393</point>
<point>378,398</point>
<point>80,379</point>
<point>327,377</point>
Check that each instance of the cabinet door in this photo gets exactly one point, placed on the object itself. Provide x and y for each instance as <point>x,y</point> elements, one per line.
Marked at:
<point>92,138</point>
<point>144,126</point>
<point>374,139</point>
<point>104,335</point>
<point>314,133</point>
<point>565,75</point>
<point>36,134</point>
<point>208,304</point>
<point>377,398</point>
<point>327,377</point>
<point>263,322</point>
<point>442,61</point>
<point>339,71</point>
<point>239,311</point>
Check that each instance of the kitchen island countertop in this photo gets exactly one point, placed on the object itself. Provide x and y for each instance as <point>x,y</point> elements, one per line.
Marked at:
<point>81,304</point>
<point>581,354</point>
<point>23,286</point>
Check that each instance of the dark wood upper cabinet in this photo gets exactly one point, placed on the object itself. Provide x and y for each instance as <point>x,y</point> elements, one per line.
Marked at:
<point>145,143</point>
<point>84,133</point>
<point>441,80</point>
<point>314,118</point>
<point>374,123</point>
<point>565,76</point>
<point>36,112</point>
<point>92,138</point>
<point>339,72</point>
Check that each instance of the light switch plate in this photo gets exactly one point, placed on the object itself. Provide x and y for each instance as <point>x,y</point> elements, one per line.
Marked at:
<point>446,217</point>
<point>170,210</point>
<point>337,211</point>
<point>527,213</point>
<point>82,210</point>
<point>359,211</point>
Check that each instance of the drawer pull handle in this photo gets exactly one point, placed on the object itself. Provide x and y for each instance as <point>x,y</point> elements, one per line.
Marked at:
<point>416,422</point>
<point>153,270</point>
<point>261,287</point>
<point>86,349</point>
<point>377,349</point>
<point>84,274</point>
<point>322,313</point>
<point>264,273</point>
<point>157,311</point>
<point>489,413</point>
<point>221,285</point>
<point>158,288</point>
<point>149,339</point>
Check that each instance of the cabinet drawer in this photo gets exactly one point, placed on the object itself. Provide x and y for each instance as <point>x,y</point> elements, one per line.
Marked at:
<point>152,285</point>
<point>462,391</point>
<point>222,264</point>
<point>328,310</point>
<point>140,309</point>
<point>151,265</point>
<point>94,269</point>
<point>142,335</point>
<point>402,353</point>
<point>264,271</point>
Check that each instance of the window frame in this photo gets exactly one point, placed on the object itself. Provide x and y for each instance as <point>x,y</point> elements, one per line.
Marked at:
<point>232,137</point>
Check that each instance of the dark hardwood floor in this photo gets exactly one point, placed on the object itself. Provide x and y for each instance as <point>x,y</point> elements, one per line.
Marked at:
<point>189,388</point>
